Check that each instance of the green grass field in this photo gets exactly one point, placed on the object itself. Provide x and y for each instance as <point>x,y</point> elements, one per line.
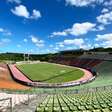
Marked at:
<point>50,73</point>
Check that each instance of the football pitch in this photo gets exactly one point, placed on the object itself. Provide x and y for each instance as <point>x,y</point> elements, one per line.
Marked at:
<point>50,73</point>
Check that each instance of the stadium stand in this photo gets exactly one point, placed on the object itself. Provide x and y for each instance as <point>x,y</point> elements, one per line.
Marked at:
<point>104,75</point>
<point>95,100</point>
<point>91,97</point>
<point>97,55</point>
<point>9,101</point>
<point>92,101</point>
<point>79,62</point>
<point>30,105</point>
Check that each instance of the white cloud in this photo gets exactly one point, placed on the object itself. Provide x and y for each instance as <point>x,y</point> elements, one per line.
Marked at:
<point>56,48</point>
<point>60,44</point>
<point>64,33</point>
<point>25,40</point>
<point>1,30</point>
<point>37,42</point>
<point>81,3</point>
<point>107,37</point>
<point>104,10</point>
<point>86,46</point>
<point>105,18</point>
<point>77,42</point>
<point>4,41</point>
<point>99,28</point>
<point>19,46</point>
<point>76,30</point>
<point>47,50</point>
<point>108,3</point>
<point>5,32</point>
<point>105,40</point>
<point>36,14</point>
<point>78,3</point>
<point>8,33</point>
<point>22,11</point>
<point>51,46</point>
<point>15,1</point>
<point>73,43</point>
<point>34,39</point>
<point>81,28</point>
<point>107,44</point>
<point>96,45</point>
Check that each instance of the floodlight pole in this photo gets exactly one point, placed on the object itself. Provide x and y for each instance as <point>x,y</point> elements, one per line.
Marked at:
<point>28,57</point>
<point>24,56</point>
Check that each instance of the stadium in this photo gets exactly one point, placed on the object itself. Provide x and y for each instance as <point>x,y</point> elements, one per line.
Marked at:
<point>63,83</point>
<point>56,56</point>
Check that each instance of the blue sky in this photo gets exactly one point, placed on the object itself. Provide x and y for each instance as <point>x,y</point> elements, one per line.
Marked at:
<point>44,26</point>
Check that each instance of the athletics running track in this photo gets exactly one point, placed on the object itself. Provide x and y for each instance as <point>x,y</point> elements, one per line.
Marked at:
<point>19,76</point>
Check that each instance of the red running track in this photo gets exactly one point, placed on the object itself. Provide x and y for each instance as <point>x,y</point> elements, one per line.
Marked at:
<point>18,74</point>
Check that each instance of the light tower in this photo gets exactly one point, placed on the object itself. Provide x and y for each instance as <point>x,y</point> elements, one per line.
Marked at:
<point>24,56</point>
<point>28,57</point>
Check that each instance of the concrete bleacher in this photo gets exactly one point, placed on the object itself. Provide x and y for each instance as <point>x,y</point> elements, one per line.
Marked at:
<point>92,101</point>
<point>95,100</point>
<point>97,55</point>
<point>9,101</point>
<point>79,62</point>
<point>104,75</point>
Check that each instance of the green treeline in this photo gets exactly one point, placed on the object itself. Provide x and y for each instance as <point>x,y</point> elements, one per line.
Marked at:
<point>48,57</point>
